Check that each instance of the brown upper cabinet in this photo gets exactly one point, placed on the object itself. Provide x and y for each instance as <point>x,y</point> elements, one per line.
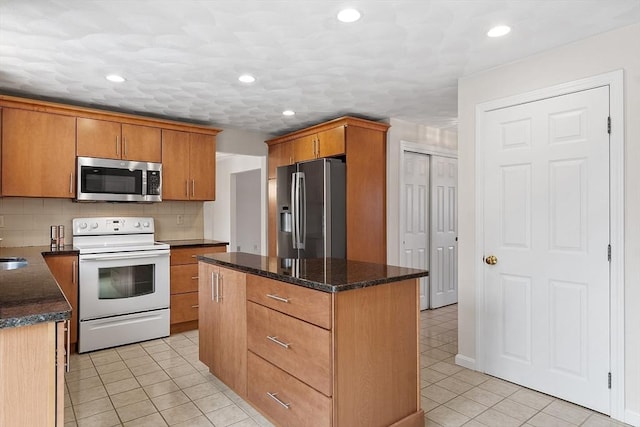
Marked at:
<point>363,145</point>
<point>38,154</point>
<point>113,140</point>
<point>189,166</point>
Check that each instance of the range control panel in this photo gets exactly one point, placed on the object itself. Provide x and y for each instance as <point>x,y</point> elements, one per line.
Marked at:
<point>110,225</point>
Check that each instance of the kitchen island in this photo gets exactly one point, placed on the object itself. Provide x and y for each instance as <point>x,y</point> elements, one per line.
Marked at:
<point>314,342</point>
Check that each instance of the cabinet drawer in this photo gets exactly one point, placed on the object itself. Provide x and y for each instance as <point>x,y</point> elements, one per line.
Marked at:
<point>300,348</point>
<point>184,278</point>
<point>307,407</point>
<point>304,303</point>
<point>184,307</point>
<point>189,255</point>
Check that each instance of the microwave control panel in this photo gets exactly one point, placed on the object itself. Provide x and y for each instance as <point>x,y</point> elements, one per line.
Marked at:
<point>153,183</point>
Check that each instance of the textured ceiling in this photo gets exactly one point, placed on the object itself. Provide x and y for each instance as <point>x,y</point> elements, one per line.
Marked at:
<point>182,58</point>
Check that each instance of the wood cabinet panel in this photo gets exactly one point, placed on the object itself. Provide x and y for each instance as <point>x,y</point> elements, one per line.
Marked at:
<point>279,155</point>
<point>304,148</point>
<point>188,166</point>
<point>300,348</point>
<point>202,166</point>
<point>175,165</point>
<point>141,143</point>
<point>331,142</point>
<point>306,304</point>
<point>64,269</point>
<point>184,307</point>
<point>98,138</point>
<point>184,278</point>
<point>306,406</point>
<point>38,154</point>
<point>223,324</point>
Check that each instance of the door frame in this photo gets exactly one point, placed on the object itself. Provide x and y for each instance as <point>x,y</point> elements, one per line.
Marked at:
<point>429,150</point>
<point>615,81</point>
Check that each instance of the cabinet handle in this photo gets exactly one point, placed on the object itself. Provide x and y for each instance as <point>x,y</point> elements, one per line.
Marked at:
<point>277,298</point>
<point>194,256</point>
<point>194,277</point>
<point>274,397</point>
<point>74,279</point>
<point>67,359</point>
<point>71,183</point>
<point>220,283</point>
<point>117,146</point>
<point>213,289</point>
<point>277,341</point>
<point>195,306</point>
<point>124,143</point>
<point>193,188</point>
<point>186,188</point>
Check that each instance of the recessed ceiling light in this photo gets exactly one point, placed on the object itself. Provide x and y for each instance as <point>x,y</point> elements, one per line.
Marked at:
<point>499,31</point>
<point>247,78</point>
<point>288,113</point>
<point>115,78</point>
<point>348,15</point>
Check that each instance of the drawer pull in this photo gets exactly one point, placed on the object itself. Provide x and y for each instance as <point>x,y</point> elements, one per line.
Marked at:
<point>194,256</point>
<point>195,306</point>
<point>194,277</point>
<point>277,298</point>
<point>274,396</point>
<point>277,341</point>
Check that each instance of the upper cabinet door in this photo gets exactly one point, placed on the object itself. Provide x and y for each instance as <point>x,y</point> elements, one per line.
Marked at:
<point>330,142</point>
<point>175,167</point>
<point>141,143</point>
<point>202,168</point>
<point>304,148</point>
<point>98,138</point>
<point>113,140</point>
<point>38,154</point>
<point>279,155</point>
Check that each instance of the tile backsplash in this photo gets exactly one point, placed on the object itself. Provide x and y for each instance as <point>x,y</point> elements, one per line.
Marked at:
<point>26,221</point>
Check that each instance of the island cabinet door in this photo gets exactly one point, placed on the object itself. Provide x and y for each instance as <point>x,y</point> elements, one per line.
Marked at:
<point>223,324</point>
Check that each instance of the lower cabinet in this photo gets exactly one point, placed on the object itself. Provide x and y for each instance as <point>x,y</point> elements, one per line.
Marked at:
<point>223,324</point>
<point>184,286</point>
<point>64,269</point>
<point>32,364</point>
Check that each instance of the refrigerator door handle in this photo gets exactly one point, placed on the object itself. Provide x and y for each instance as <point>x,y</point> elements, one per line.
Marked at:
<point>302,211</point>
<point>294,210</point>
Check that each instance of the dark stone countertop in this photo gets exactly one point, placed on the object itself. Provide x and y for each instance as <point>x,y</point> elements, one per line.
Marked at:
<point>193,243</point>
<point>31,295</point>
<point>327,275</point>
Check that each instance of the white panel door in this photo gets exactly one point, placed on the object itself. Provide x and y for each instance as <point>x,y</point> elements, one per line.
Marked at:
<point>415,236</point>
<point>546,221</point>
<point>443,271</point>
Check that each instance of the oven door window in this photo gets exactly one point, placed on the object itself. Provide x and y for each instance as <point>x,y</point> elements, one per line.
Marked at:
<point>126,282</point>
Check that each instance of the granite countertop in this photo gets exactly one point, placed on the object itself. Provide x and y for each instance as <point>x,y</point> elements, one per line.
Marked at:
<point>193,243</point>
<point>31,295</point>
<point>327,275</point>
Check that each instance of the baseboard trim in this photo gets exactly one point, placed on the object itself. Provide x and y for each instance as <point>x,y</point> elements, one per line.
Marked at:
<point>465,362</point>
<point>631,417</point>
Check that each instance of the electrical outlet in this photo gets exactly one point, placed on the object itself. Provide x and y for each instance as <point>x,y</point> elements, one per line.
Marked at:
<point>1,221</point>
<point>180,219</point>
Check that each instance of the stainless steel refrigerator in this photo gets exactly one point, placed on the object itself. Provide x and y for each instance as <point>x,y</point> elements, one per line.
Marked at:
<point>311,209</point>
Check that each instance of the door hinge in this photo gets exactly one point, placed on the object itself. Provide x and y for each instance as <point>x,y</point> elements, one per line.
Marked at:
<point>609,125</point>
<point>609,380</point>
<point>609,253</point>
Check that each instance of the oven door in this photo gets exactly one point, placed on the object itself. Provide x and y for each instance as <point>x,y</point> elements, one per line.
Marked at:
<point>122,283</point>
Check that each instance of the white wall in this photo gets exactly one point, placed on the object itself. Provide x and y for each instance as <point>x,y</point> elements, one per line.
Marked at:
<point>246,230</point>
<point>217,214</point>
<point>399,131</point>
<point>619,49</point>
<point>236,141</point>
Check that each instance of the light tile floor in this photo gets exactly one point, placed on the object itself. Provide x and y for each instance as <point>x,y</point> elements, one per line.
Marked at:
<point>162,382</point>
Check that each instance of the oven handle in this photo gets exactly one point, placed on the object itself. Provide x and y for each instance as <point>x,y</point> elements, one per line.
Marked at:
<point>123,256</point>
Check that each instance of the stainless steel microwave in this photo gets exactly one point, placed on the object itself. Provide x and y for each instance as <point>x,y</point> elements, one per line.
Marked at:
<point>118,180</point>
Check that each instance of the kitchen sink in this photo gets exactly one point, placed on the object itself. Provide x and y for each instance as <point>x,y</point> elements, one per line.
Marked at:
<point>12,263</point>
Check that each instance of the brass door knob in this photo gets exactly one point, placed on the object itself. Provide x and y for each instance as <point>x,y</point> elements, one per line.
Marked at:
<point>491,260</point>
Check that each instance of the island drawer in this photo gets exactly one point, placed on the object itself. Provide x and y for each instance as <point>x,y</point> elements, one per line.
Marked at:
<point>300,348</point>
<point>283,398</point>
<point>190,255</point>
<point>307,304</point>
<point>184,307</point>
<point>184,278</point>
